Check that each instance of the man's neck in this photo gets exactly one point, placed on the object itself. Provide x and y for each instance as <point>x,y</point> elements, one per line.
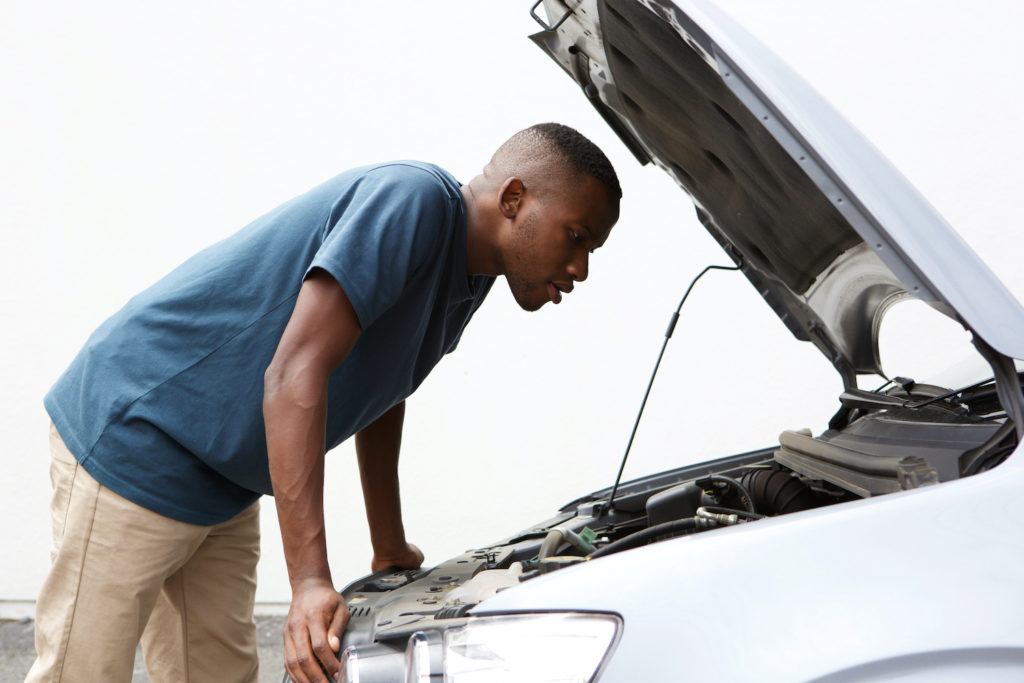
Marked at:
<point>482,255</point>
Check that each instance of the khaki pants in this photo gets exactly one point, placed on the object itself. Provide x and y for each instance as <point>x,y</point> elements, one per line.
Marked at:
<point>121,572</point>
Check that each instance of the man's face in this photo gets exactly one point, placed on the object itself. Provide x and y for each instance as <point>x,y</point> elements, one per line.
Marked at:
<point>552,239</point>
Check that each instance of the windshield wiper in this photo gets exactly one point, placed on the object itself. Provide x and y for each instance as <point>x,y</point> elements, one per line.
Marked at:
<point>960,392</point>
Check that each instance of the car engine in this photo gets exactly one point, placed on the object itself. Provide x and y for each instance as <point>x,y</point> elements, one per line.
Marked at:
<point>902,437</point>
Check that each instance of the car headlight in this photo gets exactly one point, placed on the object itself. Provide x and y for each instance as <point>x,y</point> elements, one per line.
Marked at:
<point>568,647</point>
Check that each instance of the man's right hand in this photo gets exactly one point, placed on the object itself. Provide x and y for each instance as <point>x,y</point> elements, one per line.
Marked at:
<point>322,330</point>
<point>312,633</point>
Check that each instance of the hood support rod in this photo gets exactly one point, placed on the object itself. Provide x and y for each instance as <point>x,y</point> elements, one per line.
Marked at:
<point>668,334</point>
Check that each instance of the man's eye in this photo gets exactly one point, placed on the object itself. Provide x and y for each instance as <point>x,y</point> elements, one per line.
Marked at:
<point>576,237</point>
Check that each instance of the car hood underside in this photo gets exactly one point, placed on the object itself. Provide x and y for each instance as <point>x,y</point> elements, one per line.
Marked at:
<point>829,233</point>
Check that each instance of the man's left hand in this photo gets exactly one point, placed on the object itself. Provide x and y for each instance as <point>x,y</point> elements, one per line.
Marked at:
<point>409,557</point>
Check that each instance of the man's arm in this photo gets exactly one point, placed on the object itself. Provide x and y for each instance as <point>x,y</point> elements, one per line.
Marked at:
<point>377,447</point>
<point>322,330</point>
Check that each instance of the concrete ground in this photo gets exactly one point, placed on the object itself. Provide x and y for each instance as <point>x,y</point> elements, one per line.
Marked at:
<point>17,651</point>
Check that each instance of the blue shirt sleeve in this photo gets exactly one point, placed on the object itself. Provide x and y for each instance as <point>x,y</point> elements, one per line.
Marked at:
<point>381,233</point>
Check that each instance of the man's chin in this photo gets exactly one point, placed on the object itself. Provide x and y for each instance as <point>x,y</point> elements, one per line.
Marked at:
<point>527,304</point>
<point>530,306</point>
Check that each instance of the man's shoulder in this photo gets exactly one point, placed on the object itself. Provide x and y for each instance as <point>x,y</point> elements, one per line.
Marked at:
<point>413,176</point>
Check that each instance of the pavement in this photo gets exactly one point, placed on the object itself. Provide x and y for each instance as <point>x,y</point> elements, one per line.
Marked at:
<point>17,651</point>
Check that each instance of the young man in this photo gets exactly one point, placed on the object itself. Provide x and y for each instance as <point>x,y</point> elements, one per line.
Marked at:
<point>232,376</point>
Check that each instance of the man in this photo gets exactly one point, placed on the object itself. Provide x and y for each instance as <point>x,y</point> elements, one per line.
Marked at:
<point>233,375</point>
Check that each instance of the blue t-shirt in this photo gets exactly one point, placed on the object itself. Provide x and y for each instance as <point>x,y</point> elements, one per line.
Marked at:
<point>163,405</point>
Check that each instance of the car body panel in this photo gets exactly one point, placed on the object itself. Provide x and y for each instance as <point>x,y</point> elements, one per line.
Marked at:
<point>813,593</point>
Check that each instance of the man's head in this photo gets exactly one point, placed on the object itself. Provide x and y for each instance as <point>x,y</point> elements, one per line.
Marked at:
<point>544,202</point>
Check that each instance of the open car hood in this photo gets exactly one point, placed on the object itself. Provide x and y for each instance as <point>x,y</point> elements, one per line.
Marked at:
<point>824,227</point>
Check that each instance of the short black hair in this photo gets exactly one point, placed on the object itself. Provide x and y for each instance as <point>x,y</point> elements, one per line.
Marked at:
<point>565,146</point>
<point>583,155</point>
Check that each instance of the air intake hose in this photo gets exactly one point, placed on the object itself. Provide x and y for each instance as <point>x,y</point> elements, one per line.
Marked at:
<point>776,492</point>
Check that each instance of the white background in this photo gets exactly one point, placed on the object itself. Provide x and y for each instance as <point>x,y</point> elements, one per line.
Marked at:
<point>132,134</point>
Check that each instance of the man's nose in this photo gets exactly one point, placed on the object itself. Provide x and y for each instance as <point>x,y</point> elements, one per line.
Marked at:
<point>578,267</point>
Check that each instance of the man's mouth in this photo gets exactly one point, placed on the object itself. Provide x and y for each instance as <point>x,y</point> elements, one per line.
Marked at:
<point>555,291</point>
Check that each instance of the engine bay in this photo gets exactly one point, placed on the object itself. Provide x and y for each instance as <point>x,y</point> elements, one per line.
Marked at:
<point>905,436</point>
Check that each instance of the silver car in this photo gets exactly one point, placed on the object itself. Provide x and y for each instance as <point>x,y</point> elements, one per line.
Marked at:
<point>883,545</point>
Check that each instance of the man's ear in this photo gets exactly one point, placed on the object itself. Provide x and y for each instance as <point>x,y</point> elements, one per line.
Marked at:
<point>509,197</point>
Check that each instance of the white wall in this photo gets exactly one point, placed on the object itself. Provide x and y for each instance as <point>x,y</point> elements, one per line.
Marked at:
<point>134,133</point>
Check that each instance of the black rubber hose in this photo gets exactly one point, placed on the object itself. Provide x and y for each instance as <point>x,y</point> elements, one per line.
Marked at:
<point>776,492</point>
<point>972,461</point>
<point>678,527</point>
<point>719,510</point>
<point>741,492</point>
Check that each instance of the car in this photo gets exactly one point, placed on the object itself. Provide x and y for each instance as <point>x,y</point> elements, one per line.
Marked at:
<point>886,544</point>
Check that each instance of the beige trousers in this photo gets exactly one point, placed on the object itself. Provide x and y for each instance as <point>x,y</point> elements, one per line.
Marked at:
<point>121,572</point>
